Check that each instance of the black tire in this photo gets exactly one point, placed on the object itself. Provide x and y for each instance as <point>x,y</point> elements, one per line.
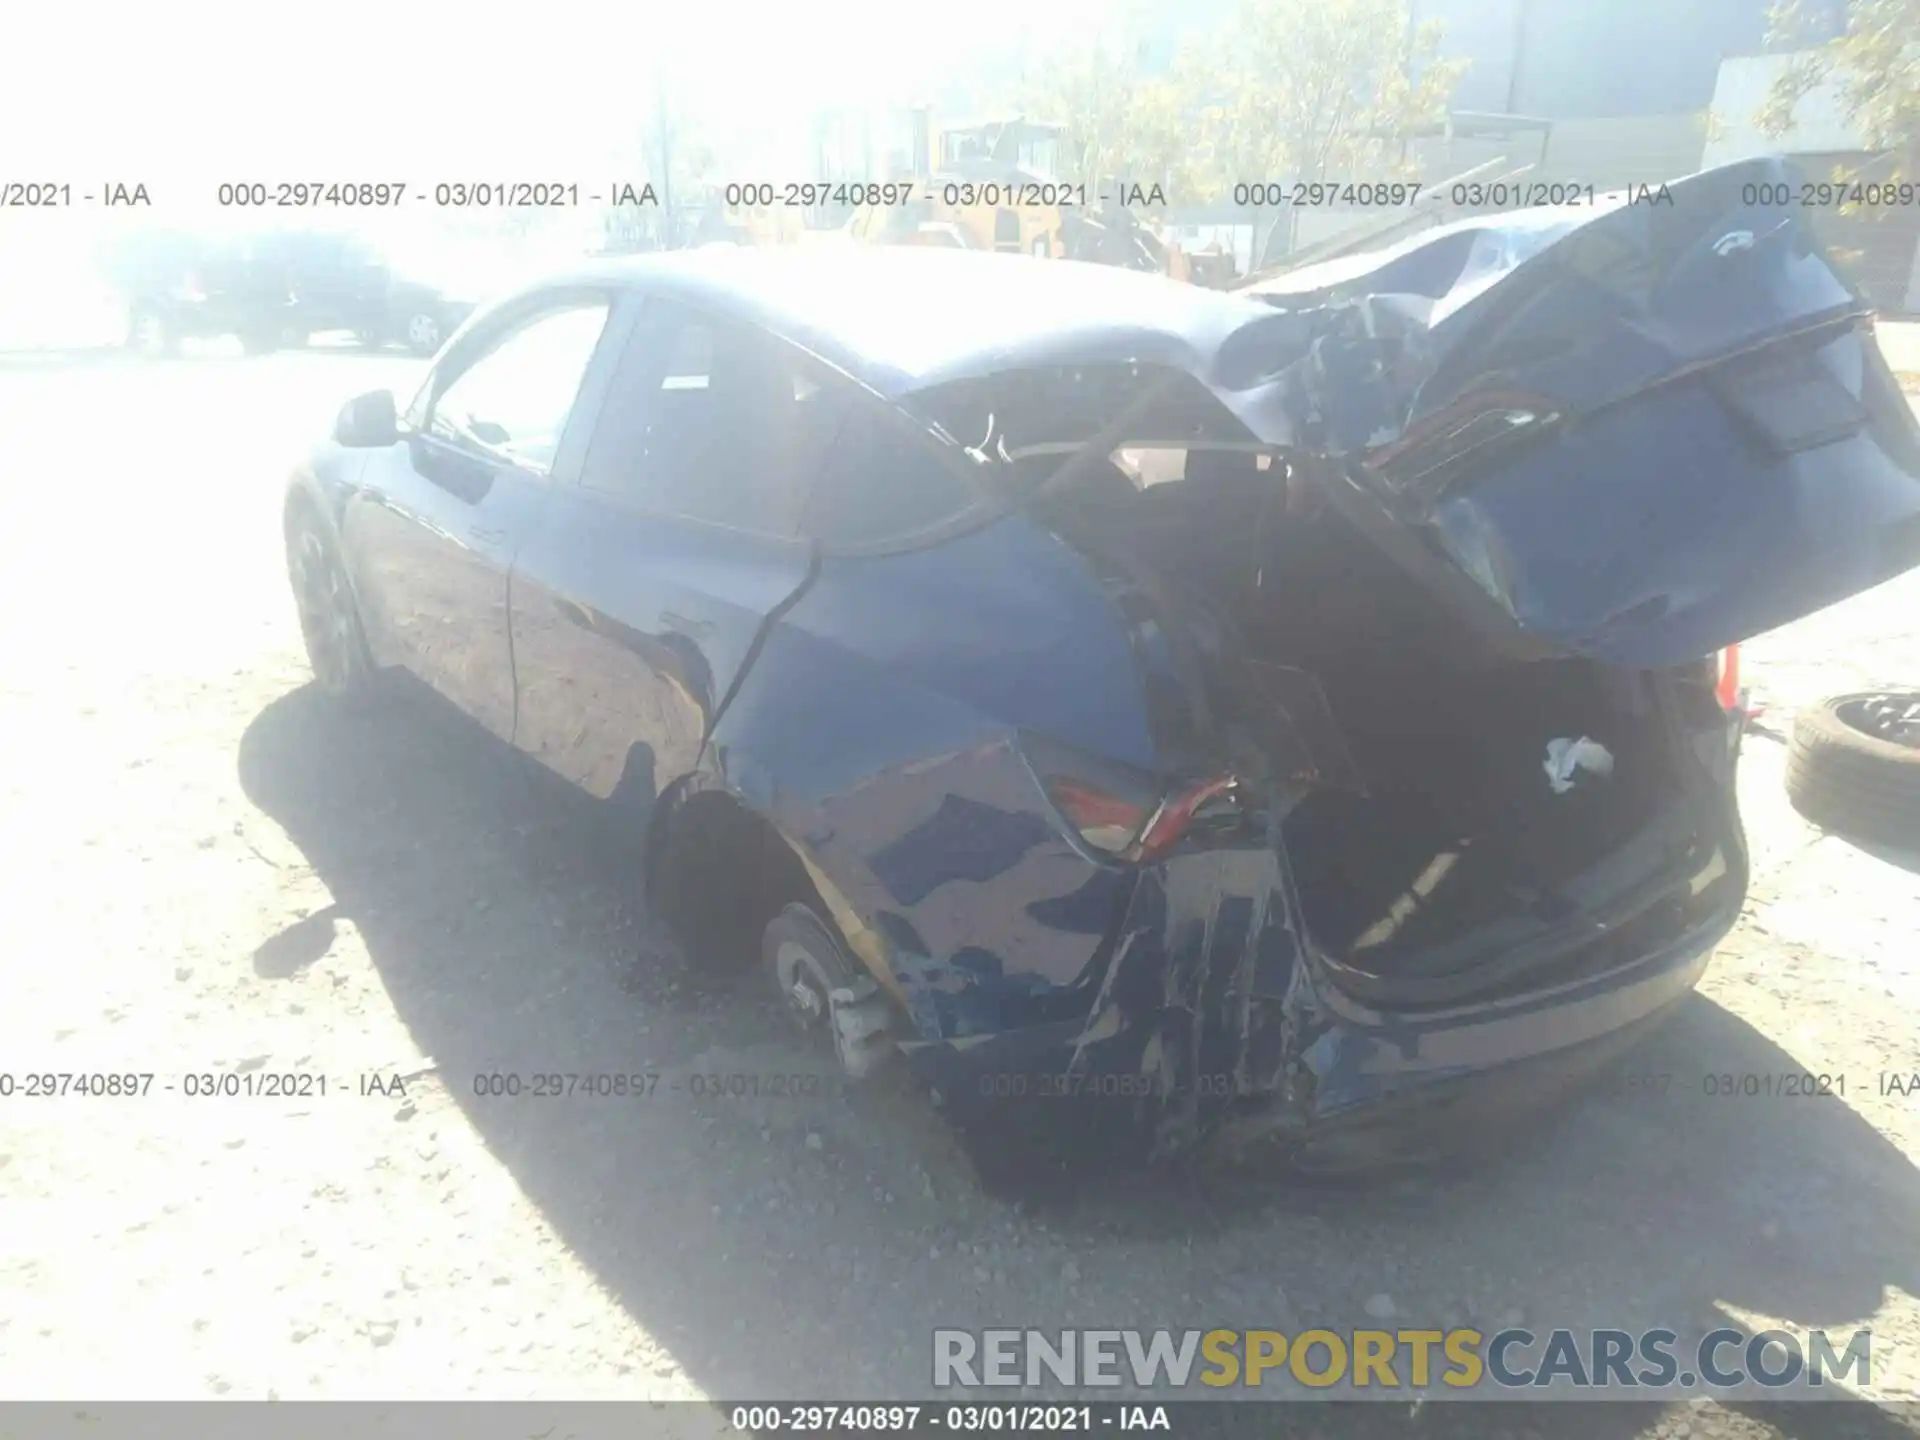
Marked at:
<point>1845,779</point>
<point>336,641</point>
<point>804,962</point>
<point>696,855</point>
<point>149,334</point>
<point>423,333</point>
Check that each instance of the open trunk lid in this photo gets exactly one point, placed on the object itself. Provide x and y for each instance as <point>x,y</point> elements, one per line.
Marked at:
<point>1637,432</point>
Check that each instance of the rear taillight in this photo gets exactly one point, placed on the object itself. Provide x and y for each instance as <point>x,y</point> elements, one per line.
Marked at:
<point>1726,684</point>
<point>1120,811</point>
<point>1109,823</point>
<point>1175,817</point>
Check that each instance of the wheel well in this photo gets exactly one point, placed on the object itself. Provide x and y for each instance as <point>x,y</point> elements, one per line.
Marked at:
<point>717,873</point>
<point>301,508</point>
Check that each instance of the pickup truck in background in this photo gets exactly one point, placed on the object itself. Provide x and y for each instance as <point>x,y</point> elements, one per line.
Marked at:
<point>276,291</point>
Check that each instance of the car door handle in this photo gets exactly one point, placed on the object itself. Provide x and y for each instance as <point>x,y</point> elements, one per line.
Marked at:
<point>692,629</point>
<point>487,535</point>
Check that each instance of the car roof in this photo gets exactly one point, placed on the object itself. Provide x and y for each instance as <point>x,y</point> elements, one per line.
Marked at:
<point>904,318</point>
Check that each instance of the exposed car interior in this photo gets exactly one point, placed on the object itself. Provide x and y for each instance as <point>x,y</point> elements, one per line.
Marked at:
<point>1461,845</point>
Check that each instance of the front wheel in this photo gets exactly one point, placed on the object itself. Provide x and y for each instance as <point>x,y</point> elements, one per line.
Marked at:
<point>329,615</point>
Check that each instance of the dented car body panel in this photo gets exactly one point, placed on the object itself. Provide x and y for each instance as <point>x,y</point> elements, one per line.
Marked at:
<point>1214,1036</point>
<point>1638,432</point>
<point>904,787</point>
<point>1049,794</point>
<point>1216,1025</point>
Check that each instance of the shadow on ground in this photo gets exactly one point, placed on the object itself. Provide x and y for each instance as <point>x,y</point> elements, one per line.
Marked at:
<point>805,1242</point>
<point>1902,858</point>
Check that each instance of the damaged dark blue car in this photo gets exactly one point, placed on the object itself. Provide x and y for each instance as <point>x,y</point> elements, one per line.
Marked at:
<point>1279,723</point>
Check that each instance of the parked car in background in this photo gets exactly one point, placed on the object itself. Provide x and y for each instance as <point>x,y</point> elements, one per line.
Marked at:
<point>431,290</point>
<point>1170,719</point>
<point>276,290</point>
<point>177,285</point>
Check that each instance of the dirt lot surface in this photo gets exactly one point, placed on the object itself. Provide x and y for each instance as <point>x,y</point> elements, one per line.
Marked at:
<point>1900,342</point>
<point>208,872</point>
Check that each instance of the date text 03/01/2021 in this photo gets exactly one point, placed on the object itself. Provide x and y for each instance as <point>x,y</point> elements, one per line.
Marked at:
<point>442,194</point>
<point>197,1084</point>
<point>965,1418</point>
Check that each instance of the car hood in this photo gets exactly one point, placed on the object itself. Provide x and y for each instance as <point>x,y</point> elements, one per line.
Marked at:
<point>1638,431</point>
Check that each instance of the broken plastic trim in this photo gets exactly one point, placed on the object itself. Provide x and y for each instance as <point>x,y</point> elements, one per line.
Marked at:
<point>862,1016</point>
<point>1440,454</point>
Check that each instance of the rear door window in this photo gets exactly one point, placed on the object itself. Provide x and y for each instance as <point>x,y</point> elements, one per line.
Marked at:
<point>713,420</point>
<point>881,482</point>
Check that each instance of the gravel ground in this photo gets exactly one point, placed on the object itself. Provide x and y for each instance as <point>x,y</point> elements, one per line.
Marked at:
<point>1900,341</point>
<point>209,871</point>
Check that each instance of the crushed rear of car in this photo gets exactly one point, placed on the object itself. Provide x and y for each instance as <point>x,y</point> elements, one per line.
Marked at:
<point>1425,577</point>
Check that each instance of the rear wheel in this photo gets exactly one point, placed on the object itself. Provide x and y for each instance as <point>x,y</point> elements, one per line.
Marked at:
<point>806,966</point>
<point>829,996</point>
<point>148,332</point>
<point>1854,766</point>
<point>424,333</point>
<point>329,616</point>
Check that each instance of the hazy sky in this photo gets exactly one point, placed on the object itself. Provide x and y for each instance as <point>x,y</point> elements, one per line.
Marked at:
<point>185,95</point>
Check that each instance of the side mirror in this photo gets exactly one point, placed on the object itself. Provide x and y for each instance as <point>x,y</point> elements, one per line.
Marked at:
<point>368,421</point>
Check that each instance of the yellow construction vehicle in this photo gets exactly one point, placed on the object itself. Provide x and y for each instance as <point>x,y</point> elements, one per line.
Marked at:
<point>991,185</point>
<point>988,184</point>
<point>745,224</point>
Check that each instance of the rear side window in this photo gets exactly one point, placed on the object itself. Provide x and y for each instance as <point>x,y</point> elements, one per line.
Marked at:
<point>881,482</point>
<point>690,359</point>
<point>712,420</point>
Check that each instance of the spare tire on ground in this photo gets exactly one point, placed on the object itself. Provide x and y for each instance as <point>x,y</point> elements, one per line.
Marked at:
<point>1854,766</point>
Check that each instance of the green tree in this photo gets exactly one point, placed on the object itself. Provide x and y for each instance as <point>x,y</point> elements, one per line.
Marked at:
<point>1320,90</point>
<point>1874,68</point>
<point>1121,122</point>
<point>678,162</point>
<point>1324,90</point>
<point>1286,90</point>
